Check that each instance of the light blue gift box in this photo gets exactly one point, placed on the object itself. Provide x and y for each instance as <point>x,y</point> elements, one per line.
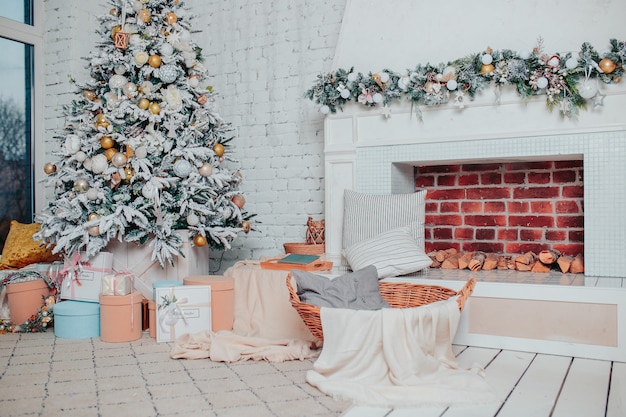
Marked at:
<point>76,319</point>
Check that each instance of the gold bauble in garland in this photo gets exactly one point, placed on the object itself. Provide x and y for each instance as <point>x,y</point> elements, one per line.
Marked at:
<point>487,69</point>
<point>171,18</point>
<point>607,65</point>
<point>218,148</point>
<point>245,226</point>
<point>143,104</point>
<point>199,240</point>
<point>154,61</point>
<point>93,216</point>
<point>155,108</point>
<point>129,173</point>
<point>107,142</point>
<point>49,168</point>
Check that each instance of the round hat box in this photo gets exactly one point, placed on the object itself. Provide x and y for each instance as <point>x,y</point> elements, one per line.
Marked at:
<point>76,319</point>
<point>25,298</point>
<point>222,299</point>
<point>120,317</point>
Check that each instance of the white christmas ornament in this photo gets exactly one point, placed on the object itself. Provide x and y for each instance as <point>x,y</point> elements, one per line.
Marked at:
<point>137,5</point>
<point>99,163</point>
<point>182,168</point>
<point>524,54</point>
<point>542,82</point>
<point>403,83</point>
<point>448,70</point>
<point>587,89</point>
<point>345,93</point>
<point>92,194</point>
<point>80,156</point>
<point>452,85</point>
<point>120,69</point>
<point>117,81</point>
<point>205,169</point>
<point>377,97</point>
<point>72,144</point>
<point>324,109</point>
<point>352,77</point>
<point>87,163</point>
<point>167,73</point>
<point>141,58</point>
<point>486,59</point>
<point>571,63</point>
<point>384,77</point>
<point>554,61</point>
<point>192,220</point>
<point>130,89</point>
<point>119,159</point>
<point>141,152</point>
<point>148,190</point>
<point>166,49</point>
<point>193,82</point>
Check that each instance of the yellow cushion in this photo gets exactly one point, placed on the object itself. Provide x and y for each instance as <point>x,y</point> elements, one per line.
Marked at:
<point>21,250</point>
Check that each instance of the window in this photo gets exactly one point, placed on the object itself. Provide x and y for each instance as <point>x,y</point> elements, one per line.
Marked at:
<point>20,41</point>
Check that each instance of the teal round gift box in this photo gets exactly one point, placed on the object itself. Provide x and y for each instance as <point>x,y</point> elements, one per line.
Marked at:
<point>76,319</point>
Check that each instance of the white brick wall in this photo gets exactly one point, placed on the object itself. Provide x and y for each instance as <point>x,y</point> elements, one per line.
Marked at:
<point>262,57</point>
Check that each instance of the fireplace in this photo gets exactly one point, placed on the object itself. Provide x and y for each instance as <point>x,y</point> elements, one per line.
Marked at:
<point>369,153</point>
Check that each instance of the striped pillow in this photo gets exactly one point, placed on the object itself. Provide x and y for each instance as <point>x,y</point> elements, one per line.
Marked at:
<point>393,253</point>
<point>368,215</point>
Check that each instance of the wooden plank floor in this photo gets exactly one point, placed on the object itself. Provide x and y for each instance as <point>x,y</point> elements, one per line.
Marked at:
<point>532,384</point>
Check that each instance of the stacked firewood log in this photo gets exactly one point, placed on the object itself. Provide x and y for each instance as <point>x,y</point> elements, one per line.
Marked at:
<point>545,261</point>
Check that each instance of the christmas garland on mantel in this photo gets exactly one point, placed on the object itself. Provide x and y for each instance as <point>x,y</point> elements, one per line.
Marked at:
<point>566,80</point>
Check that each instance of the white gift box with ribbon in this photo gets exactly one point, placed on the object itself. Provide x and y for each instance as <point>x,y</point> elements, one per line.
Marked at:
<point>82,276</point>
<point>117,284</point>
<point>181,310</point>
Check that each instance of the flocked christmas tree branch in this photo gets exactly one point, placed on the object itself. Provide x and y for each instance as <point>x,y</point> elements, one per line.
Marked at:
<point>567,80</point>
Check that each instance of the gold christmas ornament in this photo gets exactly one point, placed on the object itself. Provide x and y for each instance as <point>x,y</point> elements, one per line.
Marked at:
<point>107,142</point>
<point>171,18</point>
<point>154,61</point>
<point>155,108</point>
<point>144,15</point>
<point>607,65</point>
<point>129,173</point>
<point>93,216</point>
<point>115,29</point>
<point>93,231</point>
<point>113,12</point>
<point>109,153</point>
<point>239,200</point>
<point>143,104</point>
<point>245,226</point>
<point>487,69</point>
<point>49,168</point>
<point>129,151</point>
<point>101,121</point>
<point>218,148</point>
<point>199,240</point>
<point>89,95</point>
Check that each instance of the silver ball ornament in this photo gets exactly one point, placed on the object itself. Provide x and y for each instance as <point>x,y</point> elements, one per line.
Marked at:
<point>167,73</point>
<point>92,194</point>
<point>182,168</point>
<point>81,185</point>
<point>192,219</point>
<point>119,159</point>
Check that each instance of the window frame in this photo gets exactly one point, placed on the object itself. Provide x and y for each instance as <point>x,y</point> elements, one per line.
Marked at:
<point>33,35</point>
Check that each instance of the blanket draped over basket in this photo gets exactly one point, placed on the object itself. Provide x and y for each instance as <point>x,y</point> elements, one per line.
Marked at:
<point>395,357</point>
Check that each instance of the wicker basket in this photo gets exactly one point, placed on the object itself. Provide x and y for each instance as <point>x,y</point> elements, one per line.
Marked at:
<point>397,294</point>
<point>304,248</point>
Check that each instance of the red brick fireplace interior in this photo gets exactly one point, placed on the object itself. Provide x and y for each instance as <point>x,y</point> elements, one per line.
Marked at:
<point>505,208</point>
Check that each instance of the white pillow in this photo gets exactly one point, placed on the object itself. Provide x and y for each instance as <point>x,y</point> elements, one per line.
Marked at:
<point>393,253</point>
<point>368,215</point>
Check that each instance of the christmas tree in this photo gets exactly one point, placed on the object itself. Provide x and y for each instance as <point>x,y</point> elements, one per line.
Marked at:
<point>143,152</point>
